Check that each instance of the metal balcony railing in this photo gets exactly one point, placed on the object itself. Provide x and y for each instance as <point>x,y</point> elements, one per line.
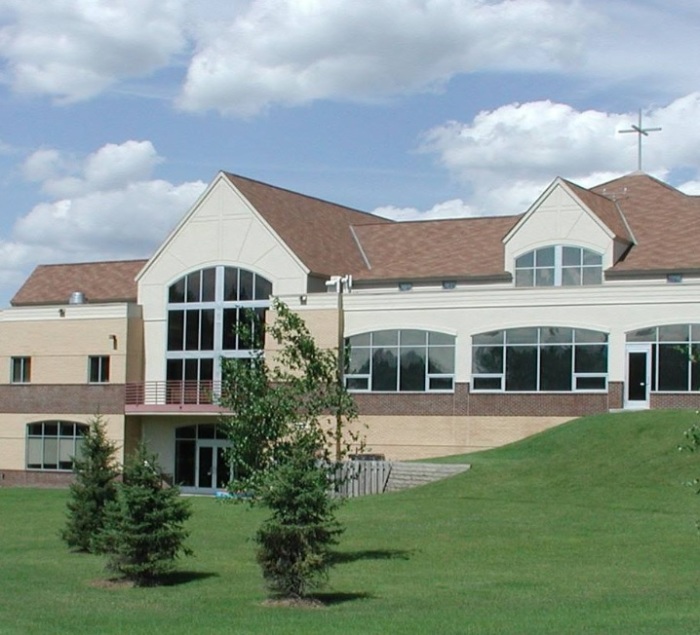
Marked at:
<point>173,393</point>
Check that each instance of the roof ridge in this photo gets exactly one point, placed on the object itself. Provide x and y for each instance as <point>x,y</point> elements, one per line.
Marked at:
<point>232,175</point>
<point>442,220</point>
<point>637,174</point>
<point>92,262</point>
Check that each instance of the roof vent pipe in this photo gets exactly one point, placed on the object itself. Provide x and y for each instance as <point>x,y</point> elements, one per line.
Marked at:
<point>77,297</point>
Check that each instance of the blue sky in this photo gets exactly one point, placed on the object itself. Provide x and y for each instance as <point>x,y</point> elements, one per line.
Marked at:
<point>116,114</point>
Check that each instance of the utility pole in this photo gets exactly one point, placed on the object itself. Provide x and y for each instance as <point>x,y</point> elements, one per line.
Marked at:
<point>341,284</point>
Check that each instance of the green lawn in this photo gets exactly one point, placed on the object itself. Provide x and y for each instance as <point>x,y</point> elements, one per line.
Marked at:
<point>587,528</point>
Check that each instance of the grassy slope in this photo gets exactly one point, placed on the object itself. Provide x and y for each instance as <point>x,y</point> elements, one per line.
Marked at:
<point>583,529</point>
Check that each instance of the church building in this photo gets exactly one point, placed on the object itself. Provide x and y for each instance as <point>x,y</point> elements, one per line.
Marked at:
<point>463,334</point>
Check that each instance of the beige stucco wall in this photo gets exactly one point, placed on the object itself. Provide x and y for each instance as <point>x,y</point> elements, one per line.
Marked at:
<point>222,229</point>
<point>613,309</point>
<point>60,346</point>
<point>13,432</point>
<point>559,218</point>
<point>159,433</point>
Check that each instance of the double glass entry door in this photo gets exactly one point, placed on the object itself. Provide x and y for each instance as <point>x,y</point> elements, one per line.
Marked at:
<point>200,459</point>
<point>212,469</point>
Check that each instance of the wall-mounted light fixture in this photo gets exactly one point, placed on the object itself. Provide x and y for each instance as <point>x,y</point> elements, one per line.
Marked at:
<point>114,341</point>
<point>303,299</point>
<point>61,313</point>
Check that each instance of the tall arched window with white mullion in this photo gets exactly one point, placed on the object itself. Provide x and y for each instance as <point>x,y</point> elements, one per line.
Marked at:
<point>205,308</point>
<point>559,266</point>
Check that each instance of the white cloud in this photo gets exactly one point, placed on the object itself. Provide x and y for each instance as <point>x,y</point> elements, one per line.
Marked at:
<point>109,168</point>
<point>75,50</point>
<point>448,209</point>
<point>93,214</point>
<point>690,187</point>
<point>128,222</point>
<point>296,51</point>
<point>507,156</point>
<point>246,56</point>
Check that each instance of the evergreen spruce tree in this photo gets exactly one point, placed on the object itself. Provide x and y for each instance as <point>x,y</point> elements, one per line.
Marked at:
<point>144,529</point>
<point>294,543</point>
<point>95,470</point>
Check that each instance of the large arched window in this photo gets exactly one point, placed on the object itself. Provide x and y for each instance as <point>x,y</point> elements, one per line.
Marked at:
<point>404,360</point>
<point>557,266</point>
<point>204,309</point>
<point>545,358</point>
<point>674,356</point>
<point>51,445</point>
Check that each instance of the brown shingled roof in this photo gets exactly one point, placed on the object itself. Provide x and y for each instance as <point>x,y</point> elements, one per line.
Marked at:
<point>317,231</point>
<point>463,248</point>
<point>665,223</point>
<point>330,238</point>
<point>605,209</point>
<point>100,282</point>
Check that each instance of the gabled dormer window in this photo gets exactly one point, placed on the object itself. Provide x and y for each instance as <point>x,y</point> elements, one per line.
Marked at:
<point>558,266</point>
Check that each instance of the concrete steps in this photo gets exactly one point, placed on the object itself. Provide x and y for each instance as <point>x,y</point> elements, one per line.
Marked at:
<point>405,475</point>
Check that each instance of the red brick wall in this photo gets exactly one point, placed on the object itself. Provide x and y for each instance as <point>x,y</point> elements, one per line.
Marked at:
<point>464,403</point>
<point>678,400</point>
<point>31,478</point>
<point>63,398</point>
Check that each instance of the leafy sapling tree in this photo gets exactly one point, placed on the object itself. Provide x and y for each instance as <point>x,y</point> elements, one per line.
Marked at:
<point>144,529</point>
<point>275,403</point>
<point>284,431</point>
<point>94,487</point>
<point>692,444</point>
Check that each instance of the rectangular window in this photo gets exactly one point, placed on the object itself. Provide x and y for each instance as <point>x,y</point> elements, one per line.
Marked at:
<point>540,359</point>
<point>21,370</point>
<point>405,360</point>
<point>98,369</point>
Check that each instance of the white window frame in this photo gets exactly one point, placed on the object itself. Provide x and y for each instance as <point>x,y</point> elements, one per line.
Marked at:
<point>428,376</point>
<point>557,267</point>
<point>75,439</point>
<point>20,370</point>
<point>218,305</point>
<point>102,369</point>
<point>575,376</point>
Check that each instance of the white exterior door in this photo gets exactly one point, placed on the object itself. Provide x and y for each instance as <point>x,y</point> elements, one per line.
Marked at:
<point>638,376</point>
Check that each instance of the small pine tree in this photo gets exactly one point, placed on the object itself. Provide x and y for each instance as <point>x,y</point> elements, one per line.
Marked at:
<point>288,427</point>
<point>95,470</point>
<point>144,532</point>
<point>294,542</point>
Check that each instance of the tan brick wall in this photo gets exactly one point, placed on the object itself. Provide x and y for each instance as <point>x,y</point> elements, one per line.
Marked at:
<point>135,363</point>
<point>60,348</point>
<point>13,431</point>
<point>418,437</point>
<point>323,325</point>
